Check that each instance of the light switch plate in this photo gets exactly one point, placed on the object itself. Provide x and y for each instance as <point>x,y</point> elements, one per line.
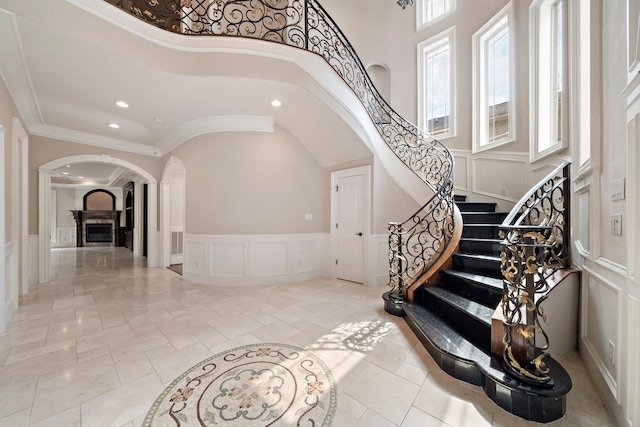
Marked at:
<point>617,189</point>
<point>616,224</point>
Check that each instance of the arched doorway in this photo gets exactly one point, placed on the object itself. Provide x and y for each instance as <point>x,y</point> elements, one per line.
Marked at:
<point>44,206</point>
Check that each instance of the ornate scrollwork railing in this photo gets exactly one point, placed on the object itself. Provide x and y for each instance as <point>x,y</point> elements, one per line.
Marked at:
<point>414,244</point>
<point>535,244</point>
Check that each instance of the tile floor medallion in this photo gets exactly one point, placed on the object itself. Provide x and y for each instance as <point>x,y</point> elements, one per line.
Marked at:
<point>97,344</point>
<point>254,385</point>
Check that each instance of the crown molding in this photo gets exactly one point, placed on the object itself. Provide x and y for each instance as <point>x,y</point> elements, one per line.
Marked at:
<point>14,71</point>
<point>64,134</point>
<point>206,125</point>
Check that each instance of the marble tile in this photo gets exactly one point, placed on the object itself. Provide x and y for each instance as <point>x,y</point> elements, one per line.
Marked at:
<point>69,418</point>
<point>18,419</point>
<point>16,397</point>
<point>349,411</point>
<point>80,383</point>
<point>234,324</point>
<point>373,419</point>
<point>387,394</point>
<point>121,406</point>
<point>446,399</point>
<point>417,418</point>
<point>111,333</point>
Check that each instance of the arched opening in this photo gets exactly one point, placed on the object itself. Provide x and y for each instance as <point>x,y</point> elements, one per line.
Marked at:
<point>44,205</point>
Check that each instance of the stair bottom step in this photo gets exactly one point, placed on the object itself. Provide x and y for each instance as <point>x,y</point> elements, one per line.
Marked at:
<point>461,359</point>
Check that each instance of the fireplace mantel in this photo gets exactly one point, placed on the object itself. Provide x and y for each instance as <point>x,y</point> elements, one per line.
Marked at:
<point>82,217</point>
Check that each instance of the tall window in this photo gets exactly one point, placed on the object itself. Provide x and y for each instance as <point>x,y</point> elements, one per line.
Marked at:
<point>435,84</point>
<point>493,94</point>
<point>548,59</point>
<point>431,10</point>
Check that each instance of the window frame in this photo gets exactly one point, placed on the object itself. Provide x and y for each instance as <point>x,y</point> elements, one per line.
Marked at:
<point>422,22</point>
<point>504,18</point>
<point>543,96</point>
<point>432,43</point>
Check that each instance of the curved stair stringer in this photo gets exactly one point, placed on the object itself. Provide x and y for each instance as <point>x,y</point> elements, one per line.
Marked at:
<point>314,74</point>
<point>444,261</point>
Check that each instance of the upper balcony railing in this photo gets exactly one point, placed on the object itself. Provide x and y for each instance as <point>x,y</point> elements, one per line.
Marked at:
<point>415,244</point>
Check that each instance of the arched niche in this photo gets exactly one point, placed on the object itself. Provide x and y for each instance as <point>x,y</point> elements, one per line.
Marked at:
<point>381,78</point>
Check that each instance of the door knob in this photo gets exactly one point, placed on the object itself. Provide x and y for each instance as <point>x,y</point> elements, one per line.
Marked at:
<point>358,234</point>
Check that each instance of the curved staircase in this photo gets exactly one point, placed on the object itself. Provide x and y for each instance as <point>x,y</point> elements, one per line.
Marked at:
<point>452,319</point>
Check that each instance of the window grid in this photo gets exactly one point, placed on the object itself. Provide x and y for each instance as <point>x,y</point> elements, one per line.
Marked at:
<point>497,98</point>
<point>558,56</point>
<point>436,70</point>
<point>493,82</point>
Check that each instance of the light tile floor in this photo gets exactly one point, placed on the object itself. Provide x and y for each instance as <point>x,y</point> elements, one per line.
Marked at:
<point>97,345</point>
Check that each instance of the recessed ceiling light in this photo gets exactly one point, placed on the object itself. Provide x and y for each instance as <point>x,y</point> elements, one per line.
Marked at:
<point>113,125</point>
<point>122,104</point>
<point>81,177</point>
<point>65,173</point>
<point>276,103</point>
<point>68,166</point>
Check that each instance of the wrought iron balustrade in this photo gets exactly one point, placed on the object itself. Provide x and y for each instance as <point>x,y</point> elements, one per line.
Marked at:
<point>535,245</point>
<point>418,242</point>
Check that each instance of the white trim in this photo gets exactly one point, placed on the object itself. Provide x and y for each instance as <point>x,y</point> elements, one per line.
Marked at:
<point>44,207</point>
<point>504,17</point>
<point>632,370</point>
<point>207,125</point>
<point>446,37</point>
<point>612,266</point>
<point>93,139</point>
<point>22,162</point>
<point>614,384</point>
<point>252,260</point>
<point>421,23</point>
<point>541,41</point>
<point>174,166</point>
<point>25,100</point>
<point>366,172</point>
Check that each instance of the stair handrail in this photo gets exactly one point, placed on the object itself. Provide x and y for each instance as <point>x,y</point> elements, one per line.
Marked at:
<point>535,245</point>
<point>416,244</point>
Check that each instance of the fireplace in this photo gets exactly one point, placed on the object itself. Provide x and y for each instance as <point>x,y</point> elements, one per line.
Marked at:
<point>97,228</point>
<point>99,233</point>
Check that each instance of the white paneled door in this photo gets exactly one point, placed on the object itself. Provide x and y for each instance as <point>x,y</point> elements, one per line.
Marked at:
<point>350,226</point>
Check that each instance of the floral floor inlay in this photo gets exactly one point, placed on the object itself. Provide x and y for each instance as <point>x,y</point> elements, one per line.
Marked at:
<point>253,385</point>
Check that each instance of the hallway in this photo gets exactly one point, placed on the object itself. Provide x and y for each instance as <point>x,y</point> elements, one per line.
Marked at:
<point>98,344</point>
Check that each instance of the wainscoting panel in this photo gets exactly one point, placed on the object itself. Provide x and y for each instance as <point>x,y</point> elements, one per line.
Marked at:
<point>195,259</point>
<point>380,255</point>
<point>268,258</point>
<point>602,326</point>
<point>633,371</point>
<point>226,259</point>
<point>307,255</point>
<point>461,172</point>
<point>237,260</point>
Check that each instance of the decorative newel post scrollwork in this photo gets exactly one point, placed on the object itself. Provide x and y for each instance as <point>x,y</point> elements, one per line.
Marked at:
<point>396,281</point>
<point>534,245</point>
<point>525,254</point>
